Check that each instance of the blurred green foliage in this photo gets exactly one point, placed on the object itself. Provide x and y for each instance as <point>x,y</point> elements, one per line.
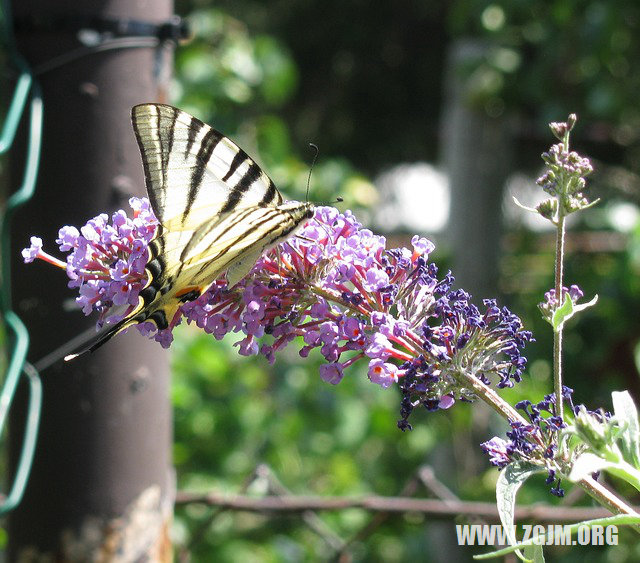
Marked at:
<point>371,73</point>
<point>364,82</point>
<point>556,56</point>
<point>239,83</point>
<point>600,346</point>
<point>232,413</point>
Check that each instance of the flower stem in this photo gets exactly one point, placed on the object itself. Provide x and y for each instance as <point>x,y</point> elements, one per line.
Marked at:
<point>607,498</point>
<point>559,274</point>
<point>489,396</point>
<point>52,260</point>
<point>557,334</point>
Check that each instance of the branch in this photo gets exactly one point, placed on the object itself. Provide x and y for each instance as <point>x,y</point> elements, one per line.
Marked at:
<point>435,508</point>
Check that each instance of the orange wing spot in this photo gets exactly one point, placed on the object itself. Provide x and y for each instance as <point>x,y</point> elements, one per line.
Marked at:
<point>186,290</point>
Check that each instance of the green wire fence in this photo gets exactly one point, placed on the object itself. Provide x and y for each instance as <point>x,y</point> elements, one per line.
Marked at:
<point>26,97</point>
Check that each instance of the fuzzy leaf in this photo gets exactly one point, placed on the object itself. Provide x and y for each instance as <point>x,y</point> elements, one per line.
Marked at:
<point>627,415</point>
<point>561,314</point>
<point>510,480</point>
<point>586,464</point>
<point>583,306</point>
<point>525,207</point>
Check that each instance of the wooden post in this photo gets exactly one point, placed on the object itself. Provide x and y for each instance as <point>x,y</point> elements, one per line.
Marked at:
<point>477,156</point>
<point>102,484</point>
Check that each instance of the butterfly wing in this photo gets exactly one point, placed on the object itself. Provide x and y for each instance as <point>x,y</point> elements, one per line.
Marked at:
<point>218,211</point>
<point>193,172</point>
<point>214,203</point>
<point>234,241</point>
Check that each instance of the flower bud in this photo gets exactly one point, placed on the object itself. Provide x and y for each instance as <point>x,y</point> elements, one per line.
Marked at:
<point>548,208</point>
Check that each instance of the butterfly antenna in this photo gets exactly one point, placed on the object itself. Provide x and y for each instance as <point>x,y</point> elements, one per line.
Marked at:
<point>313,163</point>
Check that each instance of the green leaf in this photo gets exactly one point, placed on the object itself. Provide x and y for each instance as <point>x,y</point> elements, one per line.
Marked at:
<point>568,310</point>
<point>510,480</point>
<point>588,462</point>
<point>525,207</point>
<point>534,553</point>
<point>627,415</point>
<point>561,314</point>
<point>583,306</point>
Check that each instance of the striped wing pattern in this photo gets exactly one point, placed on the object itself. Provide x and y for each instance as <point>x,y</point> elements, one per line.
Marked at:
<point>218,211</point>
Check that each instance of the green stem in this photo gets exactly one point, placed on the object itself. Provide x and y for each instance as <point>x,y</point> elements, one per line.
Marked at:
<point>607,498</point>
<point>557,335</point>
<point>559,272</point>
<point>491,398</point>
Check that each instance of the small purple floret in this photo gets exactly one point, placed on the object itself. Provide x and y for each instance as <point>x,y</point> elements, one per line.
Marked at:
<point>31,253</point>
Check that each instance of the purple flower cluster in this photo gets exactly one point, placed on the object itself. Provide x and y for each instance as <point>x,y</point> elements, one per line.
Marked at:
<point>458,337</point>
<point>559,159</point>
<point>106,260</point>
<point>535,442</point>
<point>564,178</point>
<point>339,288</point>
<point>551,302</point>
<point>335,286</point>
<point>530,441</point>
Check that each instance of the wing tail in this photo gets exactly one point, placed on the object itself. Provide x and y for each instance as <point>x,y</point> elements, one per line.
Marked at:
<point>103,338</point>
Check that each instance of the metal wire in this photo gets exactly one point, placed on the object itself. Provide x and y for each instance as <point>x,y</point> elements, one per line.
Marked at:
<point>26,92</point>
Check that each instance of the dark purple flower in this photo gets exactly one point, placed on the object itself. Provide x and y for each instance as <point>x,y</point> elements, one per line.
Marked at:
<point>537,442</point>
<point>497,450</point>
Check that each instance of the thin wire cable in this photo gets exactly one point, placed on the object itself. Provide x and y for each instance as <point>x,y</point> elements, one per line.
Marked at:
<point>106,45</point>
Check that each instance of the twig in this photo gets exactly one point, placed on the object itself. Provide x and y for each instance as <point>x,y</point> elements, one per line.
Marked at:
<point>311,519</point>
<point>410,488</point>
<point>184,553</point>
<point>437,487</point>
<point>434,508</point>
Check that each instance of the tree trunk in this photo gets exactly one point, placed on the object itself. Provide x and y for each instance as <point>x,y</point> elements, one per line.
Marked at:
<point>102,485</point>
<point>477,157</point>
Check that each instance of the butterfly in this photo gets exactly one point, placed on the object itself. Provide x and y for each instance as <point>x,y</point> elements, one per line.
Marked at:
<point>217,212</point>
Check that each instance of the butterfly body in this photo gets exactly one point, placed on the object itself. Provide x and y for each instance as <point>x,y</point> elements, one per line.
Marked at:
<point>231,244</point>
<point>217,212</point>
